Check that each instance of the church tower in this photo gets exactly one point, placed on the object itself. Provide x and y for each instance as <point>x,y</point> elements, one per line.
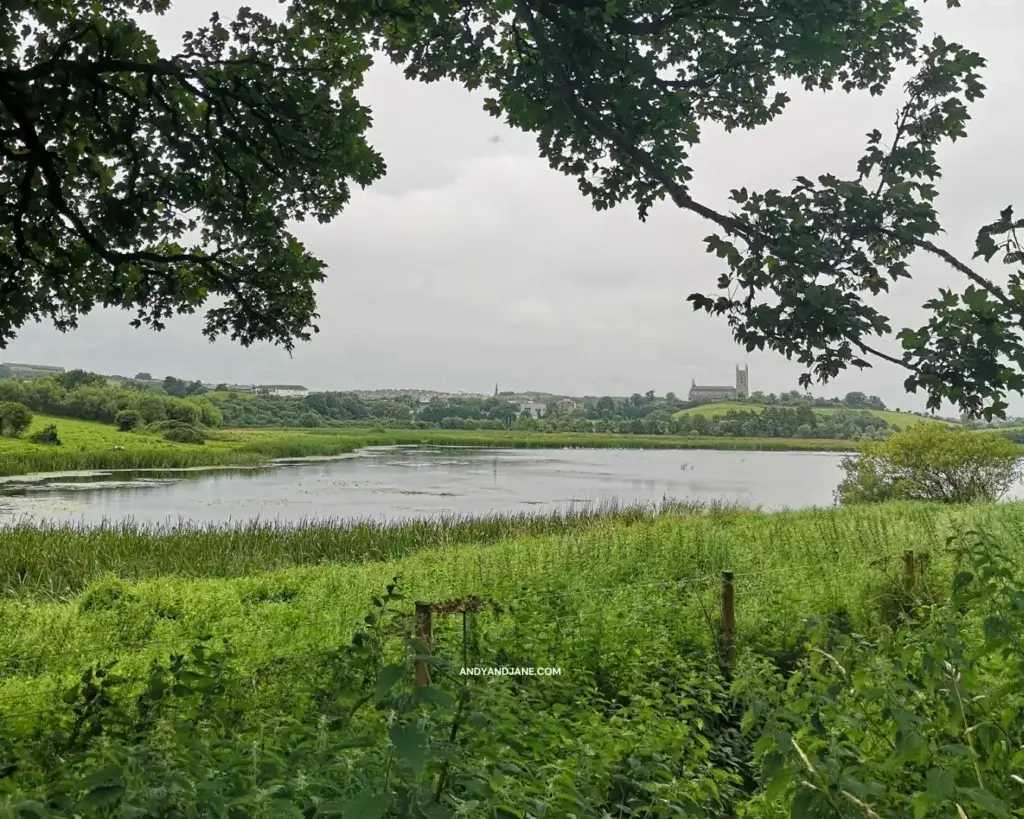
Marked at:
<point>742,381</point>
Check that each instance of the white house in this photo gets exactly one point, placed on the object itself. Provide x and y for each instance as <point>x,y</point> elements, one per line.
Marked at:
<point>536,410</point>
<point>283,390</point>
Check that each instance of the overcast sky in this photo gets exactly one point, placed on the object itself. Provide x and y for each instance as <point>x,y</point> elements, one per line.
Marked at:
<point>474,263</point>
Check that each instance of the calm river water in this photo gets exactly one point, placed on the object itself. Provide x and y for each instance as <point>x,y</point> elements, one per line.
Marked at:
<point>406,482</point>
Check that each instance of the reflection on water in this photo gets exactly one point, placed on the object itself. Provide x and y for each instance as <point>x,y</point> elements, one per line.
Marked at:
<point>404,482</point>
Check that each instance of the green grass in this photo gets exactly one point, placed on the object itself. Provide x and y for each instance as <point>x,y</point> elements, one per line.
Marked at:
<point>900,420</point>
<point>626,605</point>
<point>222,395</point>
<point>230,584</point>
<point>89,445</point>
<point>55,562</point>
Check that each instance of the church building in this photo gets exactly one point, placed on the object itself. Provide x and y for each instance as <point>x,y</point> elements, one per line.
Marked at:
<point>703,394</point>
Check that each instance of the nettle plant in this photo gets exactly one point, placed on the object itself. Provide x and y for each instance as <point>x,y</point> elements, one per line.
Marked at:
<point>348,736</point>
<point>926,720</point>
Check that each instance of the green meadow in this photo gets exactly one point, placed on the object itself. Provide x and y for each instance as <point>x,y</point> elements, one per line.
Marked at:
<point>900,420</point>
<point>239,661</point>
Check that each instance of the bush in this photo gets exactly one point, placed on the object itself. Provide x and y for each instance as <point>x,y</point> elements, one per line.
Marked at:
<point>47,435</point>
<point>185,435</point>
<point>311,420</point>
<point>14,418</point>
<point>930,461</point>
<point>186,413</point>
<point>127,420</point>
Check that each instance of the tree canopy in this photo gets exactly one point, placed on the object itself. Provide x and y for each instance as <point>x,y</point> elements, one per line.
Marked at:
<point>155,181</point>
<point>114,154</point>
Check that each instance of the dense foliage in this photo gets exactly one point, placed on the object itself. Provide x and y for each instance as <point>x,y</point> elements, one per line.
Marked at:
<point>859,689</point>
<point>153,180</point>
<point>15,418</point>
<point>931,462</point>
<point>94,399</point>
<point>786,416</point>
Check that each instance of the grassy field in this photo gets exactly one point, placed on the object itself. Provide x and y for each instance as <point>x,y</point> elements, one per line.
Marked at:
<point>899,420</point>
<point>72,595</point>
<point>625,605</point>
<point>88,445</point>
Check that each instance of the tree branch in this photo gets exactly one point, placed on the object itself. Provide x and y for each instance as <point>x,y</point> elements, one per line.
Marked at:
<point>567,88</point>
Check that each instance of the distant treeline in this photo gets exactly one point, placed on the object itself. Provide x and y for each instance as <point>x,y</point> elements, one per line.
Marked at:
<point>89,397</point>
<point>639,415</point>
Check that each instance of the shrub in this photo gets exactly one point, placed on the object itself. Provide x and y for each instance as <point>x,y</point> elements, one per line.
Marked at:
<point>186,413</point>
<point>311,420</point>
<point>47,435</point>
<point>185,435</point>
<point>14,418</point>
<point>127,420</point>
<point>929,461</point>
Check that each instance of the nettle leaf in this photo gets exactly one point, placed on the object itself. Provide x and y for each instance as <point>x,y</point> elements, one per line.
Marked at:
<point>983,799</point>
<point>410,745</point>
<point>389,677</point>
<point>101,796</point>
<point>940,785</point>
<point>368,804</point>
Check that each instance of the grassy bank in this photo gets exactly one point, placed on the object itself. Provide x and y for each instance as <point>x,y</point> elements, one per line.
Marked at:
<point>277,637</point>
<point>88,445</point>
<point>146,591</point>
<point>900,420</point>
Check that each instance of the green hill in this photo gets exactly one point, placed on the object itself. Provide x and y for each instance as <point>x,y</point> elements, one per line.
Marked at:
<point>897,419</point>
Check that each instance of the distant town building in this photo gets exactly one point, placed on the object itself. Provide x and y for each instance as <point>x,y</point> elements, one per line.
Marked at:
<point>705,394</point>
<point>29,370</point>
<point>535,409</point>
<point>283,390</point>
<point>567,404</point>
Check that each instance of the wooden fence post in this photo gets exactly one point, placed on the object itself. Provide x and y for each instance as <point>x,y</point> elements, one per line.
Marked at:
<point>909,571</point>
<point>424,630</point>
<point>728,619</point>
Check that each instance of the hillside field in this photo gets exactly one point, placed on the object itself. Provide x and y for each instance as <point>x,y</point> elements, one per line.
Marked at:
<point>900,420</point>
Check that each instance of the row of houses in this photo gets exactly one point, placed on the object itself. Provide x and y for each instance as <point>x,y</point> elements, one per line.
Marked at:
<point>538,410</point>
<point>282,390</point>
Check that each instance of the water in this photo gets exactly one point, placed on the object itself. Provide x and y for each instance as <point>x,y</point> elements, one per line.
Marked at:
<point>405,482</point>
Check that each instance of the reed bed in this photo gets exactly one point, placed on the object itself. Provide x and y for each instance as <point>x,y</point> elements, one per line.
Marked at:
<point>58,560</point>
<point>621,578</point>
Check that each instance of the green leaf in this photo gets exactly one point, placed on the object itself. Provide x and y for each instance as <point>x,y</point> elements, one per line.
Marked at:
<point>983,799</point>
<point>102,796</point>
<point>410,746</point>
<point>110,775</point>
<point>366,805</point>
<point>388,677</point>
<point>961,581</point>
<point>940,784</point>
<point>778,785</point>
<point>802,806</point>
<point>431,693</point>
<point>29,808</point>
